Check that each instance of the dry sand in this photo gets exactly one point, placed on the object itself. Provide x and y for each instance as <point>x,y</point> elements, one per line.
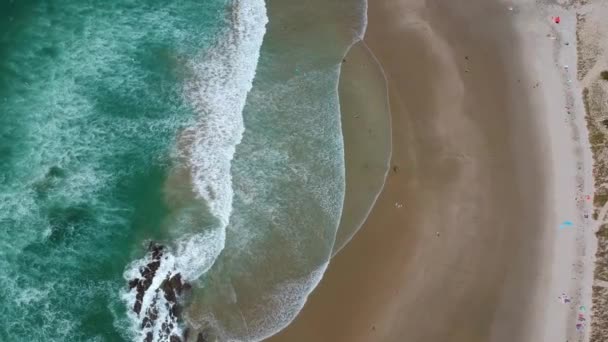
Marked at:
<point>489,163</point>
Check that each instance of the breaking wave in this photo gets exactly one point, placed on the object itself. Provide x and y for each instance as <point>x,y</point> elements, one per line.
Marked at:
<point>216,87</point>
<point>131,126</point>
<point>289,180</point>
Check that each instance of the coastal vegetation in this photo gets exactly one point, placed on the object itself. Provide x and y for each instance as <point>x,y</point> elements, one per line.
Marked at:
<point>600,300</point>
<point>596,113</point>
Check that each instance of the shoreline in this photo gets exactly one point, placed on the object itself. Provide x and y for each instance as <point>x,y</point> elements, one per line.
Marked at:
<point>474,254</point>
<point>366,130</point>
<point>282,232</point>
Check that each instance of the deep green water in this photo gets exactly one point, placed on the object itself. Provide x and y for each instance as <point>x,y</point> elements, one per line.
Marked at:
<point>90,103</point>
<point>123,122</point>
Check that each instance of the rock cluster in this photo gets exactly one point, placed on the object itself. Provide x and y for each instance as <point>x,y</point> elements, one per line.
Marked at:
<point>167,296</point>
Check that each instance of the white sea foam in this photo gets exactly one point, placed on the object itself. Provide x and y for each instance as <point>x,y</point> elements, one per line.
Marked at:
<point>290,298</point>
<point>222,77</point>
<point>153,299</point>
<point>266,164</point>
<point>285,301</point>
<point>30,295</point>
<point>217,90</point>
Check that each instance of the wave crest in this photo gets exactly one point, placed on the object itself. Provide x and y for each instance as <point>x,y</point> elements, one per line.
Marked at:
<point>217,87</point>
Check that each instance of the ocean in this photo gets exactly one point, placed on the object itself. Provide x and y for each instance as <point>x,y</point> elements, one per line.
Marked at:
<point>169,171</point>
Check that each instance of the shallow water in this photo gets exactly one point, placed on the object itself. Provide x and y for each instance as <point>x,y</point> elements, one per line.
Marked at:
<point>123,123</point>
<point>366,130</point>
<point>288,175</point>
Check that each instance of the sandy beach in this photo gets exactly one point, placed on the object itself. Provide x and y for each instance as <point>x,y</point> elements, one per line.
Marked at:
<point>483,231</point>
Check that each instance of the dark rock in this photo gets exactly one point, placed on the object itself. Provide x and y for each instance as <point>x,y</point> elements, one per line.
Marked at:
<point>156,249</point>
<point>176,283</point>
<point>172,288</point>
<point>150,270</point>
<point>133,283</point>
<point>147,276</point>
<point>176,310</point>
<point>150,317</point>
<point>168,290</point>
<point>55,172</point>
<point>137,306</point>
<point>146,322</point>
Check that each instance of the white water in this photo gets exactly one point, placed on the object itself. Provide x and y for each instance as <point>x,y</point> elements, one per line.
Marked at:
<point>289,297</point>
<point>220,79</point>
<point>287,173</point>
<point>223,76</point>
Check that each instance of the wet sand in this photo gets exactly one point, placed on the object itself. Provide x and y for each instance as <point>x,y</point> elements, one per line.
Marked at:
<point>462,258</point>
<point>366,127</point>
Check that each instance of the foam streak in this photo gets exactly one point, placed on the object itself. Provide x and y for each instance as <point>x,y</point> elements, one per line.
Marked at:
<point>220,80</point>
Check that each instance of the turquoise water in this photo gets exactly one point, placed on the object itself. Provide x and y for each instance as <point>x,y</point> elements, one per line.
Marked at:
<point>125,122</point>
<point>90,105</point>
